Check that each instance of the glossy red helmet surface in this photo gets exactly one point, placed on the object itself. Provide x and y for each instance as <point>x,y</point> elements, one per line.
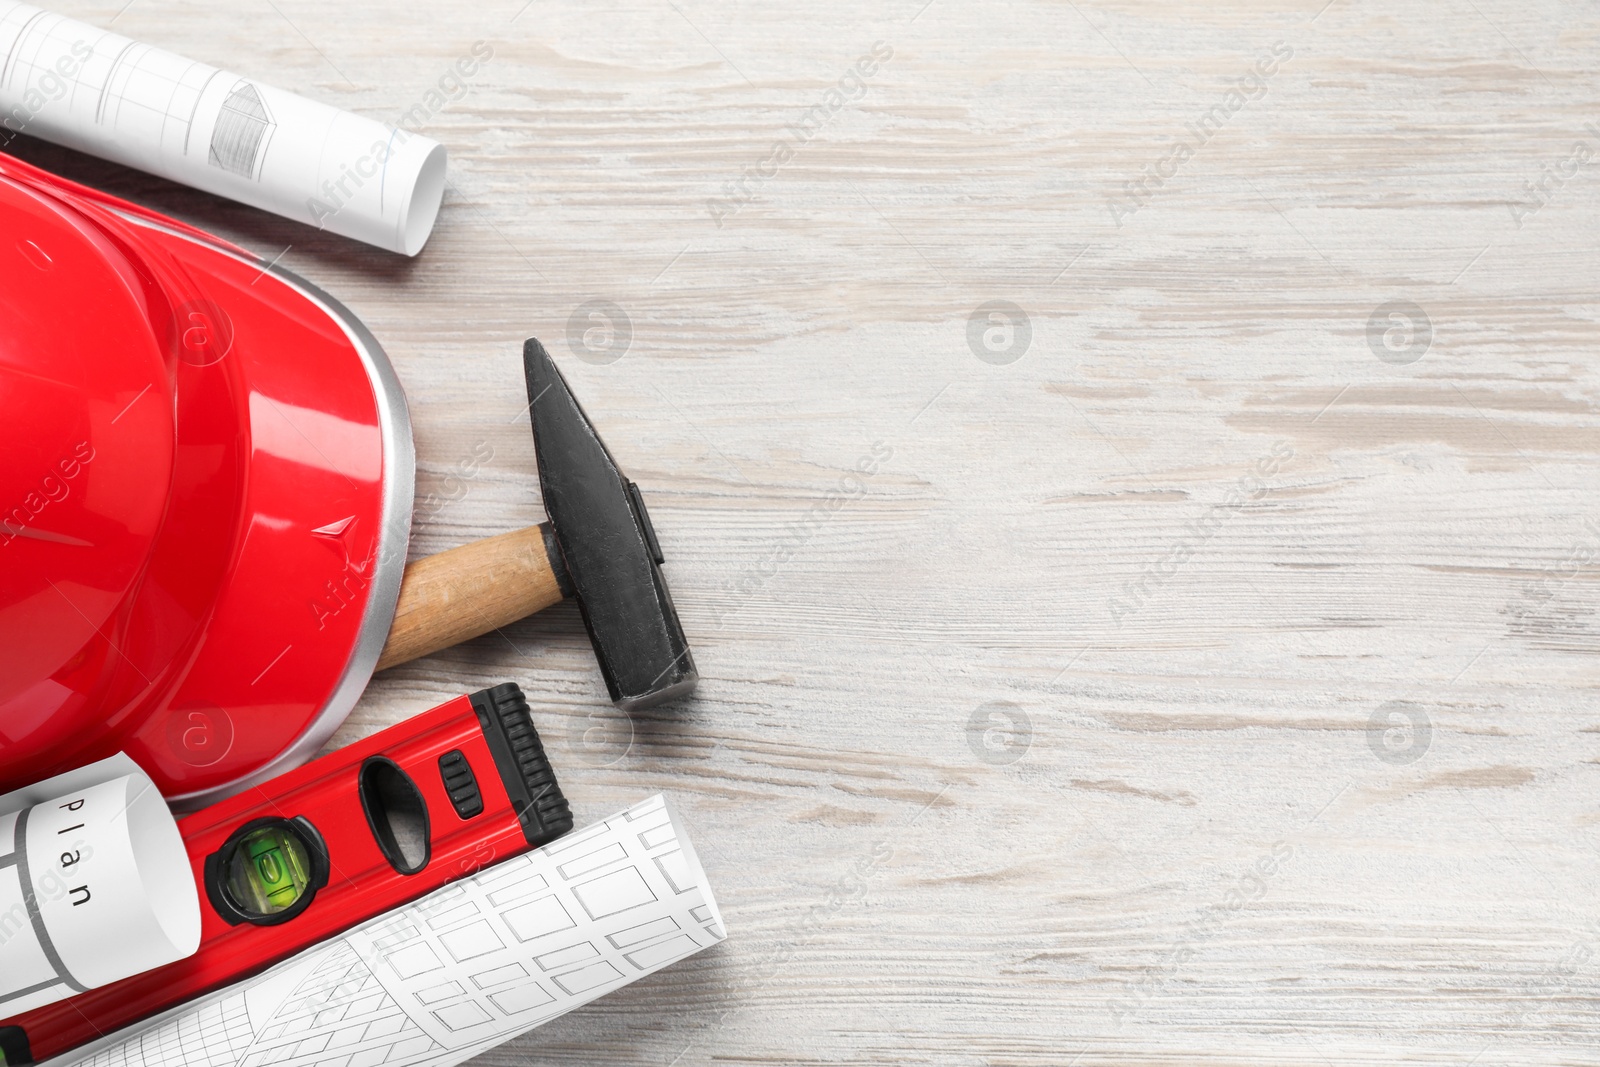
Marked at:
<point>205,495</point>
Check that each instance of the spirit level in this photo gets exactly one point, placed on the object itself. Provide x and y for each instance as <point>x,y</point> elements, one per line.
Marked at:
<point>307,855</point>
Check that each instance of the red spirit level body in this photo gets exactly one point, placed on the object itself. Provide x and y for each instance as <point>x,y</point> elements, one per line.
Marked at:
<point>307,855</point>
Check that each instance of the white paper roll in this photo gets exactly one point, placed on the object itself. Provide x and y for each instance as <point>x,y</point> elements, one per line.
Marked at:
<point>101,93</point>
<point>95,886</point>
<point>463,969</point>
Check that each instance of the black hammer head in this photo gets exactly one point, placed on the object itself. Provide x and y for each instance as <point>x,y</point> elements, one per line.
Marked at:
<point>609,549</point>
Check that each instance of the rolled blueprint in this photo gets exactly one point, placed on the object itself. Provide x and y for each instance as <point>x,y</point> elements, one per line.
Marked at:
<point>95,885</point>
<point>464,969</point>
<point>101,93</point>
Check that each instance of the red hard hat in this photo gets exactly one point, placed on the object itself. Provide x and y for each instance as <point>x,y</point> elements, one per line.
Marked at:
<point>206,478</point>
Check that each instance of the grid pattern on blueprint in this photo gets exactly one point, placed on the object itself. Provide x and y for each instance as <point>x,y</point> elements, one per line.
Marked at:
<point>339,1013</point>
<point>214,1036</point>
<point>541,934</point>
<point>135,89</point>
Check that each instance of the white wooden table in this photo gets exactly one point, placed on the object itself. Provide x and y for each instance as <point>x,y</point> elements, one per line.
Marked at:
<point>1205,673</point>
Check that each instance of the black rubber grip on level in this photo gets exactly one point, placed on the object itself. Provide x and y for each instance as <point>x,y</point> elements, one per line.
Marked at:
<point>461,784</point>
<point>524,767</point>
<point>14,1051</point>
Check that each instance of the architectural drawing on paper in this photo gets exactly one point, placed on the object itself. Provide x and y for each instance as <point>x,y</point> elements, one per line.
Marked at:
<point>99,92</point>
<point>469,966</point>
<point>243,129</point>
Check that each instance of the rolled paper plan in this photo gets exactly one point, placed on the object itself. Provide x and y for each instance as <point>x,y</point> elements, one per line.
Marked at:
<point>460,971</point>
<point>95,885</point>
<point>101,93</point>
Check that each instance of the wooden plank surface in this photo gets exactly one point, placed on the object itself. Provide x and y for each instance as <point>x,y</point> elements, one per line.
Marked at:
<point>1205,671</point>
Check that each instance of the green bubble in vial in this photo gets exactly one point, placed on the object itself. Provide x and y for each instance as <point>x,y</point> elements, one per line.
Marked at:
<point>269,871</point>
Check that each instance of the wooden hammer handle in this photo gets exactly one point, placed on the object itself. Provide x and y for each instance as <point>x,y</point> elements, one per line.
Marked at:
<point>468,591</point>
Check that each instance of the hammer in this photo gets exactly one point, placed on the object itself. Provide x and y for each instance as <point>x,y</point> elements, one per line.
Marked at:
<point>598,547</point>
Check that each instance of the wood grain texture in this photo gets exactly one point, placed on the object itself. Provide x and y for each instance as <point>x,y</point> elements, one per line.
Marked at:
<point>470,590</point>
<point>1199,687</point>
